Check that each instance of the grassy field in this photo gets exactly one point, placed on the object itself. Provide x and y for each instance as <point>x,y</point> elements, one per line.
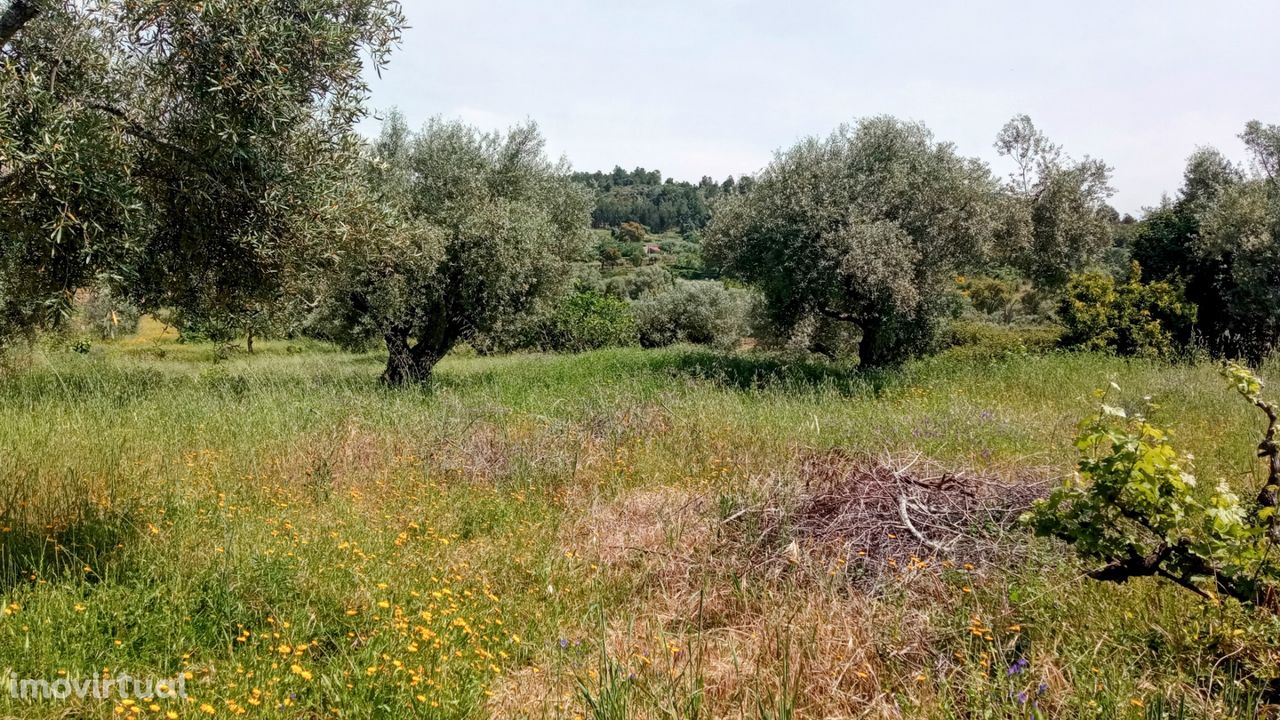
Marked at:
<point>572,536</point>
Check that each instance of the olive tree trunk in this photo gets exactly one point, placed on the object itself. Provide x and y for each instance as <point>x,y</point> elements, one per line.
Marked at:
<point>877,348</point>
<point>409,364</point>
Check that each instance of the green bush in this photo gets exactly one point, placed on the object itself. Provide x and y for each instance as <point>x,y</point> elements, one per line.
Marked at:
<point>632,232</point>
<point>1131,319</point>
<point>693,311</point>
<point>639,282</point>
<point>990,295</point>
<point>985,340</point>
<point>586,321</point>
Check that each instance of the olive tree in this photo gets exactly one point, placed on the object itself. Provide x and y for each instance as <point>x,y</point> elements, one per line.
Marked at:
<point>1221,239</point>
<point>702,312</point>
<point>1239,250</point>
<point>480,229</point>
<point>1055,208</point>
<point>186,151</point>
<point>866,227</point>
<point>257,101</point>
<point>69,208</point>
<point>1165,241</point>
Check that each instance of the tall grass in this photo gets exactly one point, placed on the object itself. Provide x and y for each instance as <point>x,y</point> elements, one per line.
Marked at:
<point>306,543</point>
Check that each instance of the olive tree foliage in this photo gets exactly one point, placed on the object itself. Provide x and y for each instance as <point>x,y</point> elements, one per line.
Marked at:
<point>1263,141</point>
<point>1033,155</point>
<point>480,229</point>
<point>1221,239</point>
<point>1239,243</point>
<point>68,204</point>
<point>702,312</point>
<point>1165,241</point>
<point>186,151</point>
<point>1209,174</point>
<point>642,281</point>
<point>1055,208</point>
<point>865,227</point>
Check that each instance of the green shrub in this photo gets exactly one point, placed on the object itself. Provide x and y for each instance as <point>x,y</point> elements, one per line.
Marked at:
<point>990,295</point>
<point>693,311</point>
<point>639,282</point>
<point>985,340</point>
<point>586,321</point>
<point>1132,318</point>
<point>814,334</point>
<point>632,232</point>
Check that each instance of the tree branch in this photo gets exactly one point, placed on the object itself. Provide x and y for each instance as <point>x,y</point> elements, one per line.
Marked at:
<point>138,130</point>
<point>1190,565</point>
<point>836,315</point>
<point>1135,565</point>
<point>906,520</point>
<point>17,14</point>
<point>1269,495</point>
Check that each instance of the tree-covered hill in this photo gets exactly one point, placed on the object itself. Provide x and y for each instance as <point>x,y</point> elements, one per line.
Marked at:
<point>662,205</point>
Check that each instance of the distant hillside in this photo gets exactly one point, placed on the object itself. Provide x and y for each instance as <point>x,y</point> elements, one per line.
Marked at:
<point>643,196</point>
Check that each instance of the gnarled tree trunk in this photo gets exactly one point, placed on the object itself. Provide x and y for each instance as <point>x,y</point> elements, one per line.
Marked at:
<point>401,367</point>
<point>876,348</point>
<point>411,364</point>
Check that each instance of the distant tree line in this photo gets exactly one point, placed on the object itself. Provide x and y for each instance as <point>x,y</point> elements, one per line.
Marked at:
<point>866,229</point>
<point>1220,240</point>
<point>642,196</point>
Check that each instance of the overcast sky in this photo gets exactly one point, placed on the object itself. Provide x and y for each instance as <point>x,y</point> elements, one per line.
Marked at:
<point>713,87</point>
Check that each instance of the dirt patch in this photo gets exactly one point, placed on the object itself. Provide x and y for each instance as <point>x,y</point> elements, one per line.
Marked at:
<point>662,525</point>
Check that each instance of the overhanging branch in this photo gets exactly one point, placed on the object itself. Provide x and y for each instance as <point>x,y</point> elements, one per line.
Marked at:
<point>836,315</point>
<point>136,129</point>
<point>1179,565</point>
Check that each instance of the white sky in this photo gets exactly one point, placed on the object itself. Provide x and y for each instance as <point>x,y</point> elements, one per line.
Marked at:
<point>713,87</point>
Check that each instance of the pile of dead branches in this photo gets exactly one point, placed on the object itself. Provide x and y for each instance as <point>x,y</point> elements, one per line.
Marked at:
<point>882,516</point>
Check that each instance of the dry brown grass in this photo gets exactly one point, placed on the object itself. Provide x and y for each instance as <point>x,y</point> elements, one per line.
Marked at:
<point>763,606</point>
<point>663,527</point>
<point>483,453</point>
<point>341,457</point>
